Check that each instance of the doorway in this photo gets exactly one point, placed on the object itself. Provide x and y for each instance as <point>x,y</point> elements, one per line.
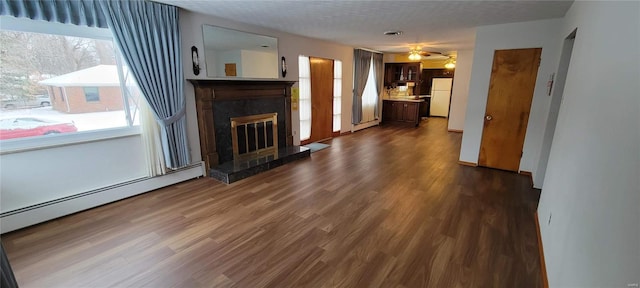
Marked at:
<point>513,79</point>
<point>556,102</point>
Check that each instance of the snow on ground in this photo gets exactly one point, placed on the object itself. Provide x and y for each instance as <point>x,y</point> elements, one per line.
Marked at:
<point>83,121</point>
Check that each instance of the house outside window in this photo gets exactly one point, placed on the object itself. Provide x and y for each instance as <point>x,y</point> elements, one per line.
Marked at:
<point>91,94</point>
<point>63,74</point>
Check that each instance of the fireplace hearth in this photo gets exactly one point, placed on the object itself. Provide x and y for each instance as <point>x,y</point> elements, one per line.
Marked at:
<point>268,141</point>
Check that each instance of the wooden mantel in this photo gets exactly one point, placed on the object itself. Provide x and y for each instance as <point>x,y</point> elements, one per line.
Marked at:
<point>210,92</point>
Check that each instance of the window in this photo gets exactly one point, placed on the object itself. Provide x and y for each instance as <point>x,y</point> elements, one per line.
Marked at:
<point>65,78</point>
<point>91,94</point>
<point>304,84</point>
<point>337,95</point>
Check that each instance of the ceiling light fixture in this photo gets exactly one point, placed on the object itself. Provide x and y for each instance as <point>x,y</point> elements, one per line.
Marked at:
<point>414,55</point>
<point>450,64</point>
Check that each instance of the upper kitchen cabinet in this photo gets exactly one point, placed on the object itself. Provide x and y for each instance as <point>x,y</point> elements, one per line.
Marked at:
<point>401,74</point>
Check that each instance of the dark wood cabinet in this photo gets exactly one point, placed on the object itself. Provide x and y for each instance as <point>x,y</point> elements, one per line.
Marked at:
<point>401,111</point>
<point>427,76</point>
<point>399,74</point>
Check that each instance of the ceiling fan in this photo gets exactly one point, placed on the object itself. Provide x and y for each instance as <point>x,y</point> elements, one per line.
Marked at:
<point>417,54</point>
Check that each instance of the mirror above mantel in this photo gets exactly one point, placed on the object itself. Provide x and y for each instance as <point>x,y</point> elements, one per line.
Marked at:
<point>234,54</point>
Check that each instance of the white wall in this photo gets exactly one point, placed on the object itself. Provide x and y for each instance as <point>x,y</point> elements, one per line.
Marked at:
<point>460,92</point>
<point>533,34</point>
<point>290,46</point>
<point>257,64</point>
<point>592,185</point>
<point>33,177</point>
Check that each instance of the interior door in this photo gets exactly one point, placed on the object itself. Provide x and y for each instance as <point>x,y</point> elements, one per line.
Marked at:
<point>440,96</point>
<point>321,99</point>
<point>513,79</point>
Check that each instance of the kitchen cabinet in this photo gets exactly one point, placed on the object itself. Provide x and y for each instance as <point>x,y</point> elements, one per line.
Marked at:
<point>406,111</point>
<point>400,74</point>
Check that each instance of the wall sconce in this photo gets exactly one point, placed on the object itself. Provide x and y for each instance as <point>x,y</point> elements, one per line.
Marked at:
<point>450,64</point>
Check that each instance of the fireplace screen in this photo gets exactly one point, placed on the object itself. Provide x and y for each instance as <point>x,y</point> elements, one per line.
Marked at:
<point>254,135</point>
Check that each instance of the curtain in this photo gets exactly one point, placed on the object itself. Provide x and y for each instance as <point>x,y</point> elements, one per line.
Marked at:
<point>379,72</point>
<point>7,279</point>
<point>151,135</point>
<point>361,61</point>
<point>77,12</point>
<point>369,97</point>
<point>148,35</point>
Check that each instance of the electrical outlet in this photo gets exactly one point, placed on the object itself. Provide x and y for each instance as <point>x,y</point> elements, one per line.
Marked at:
<point>549,222</point>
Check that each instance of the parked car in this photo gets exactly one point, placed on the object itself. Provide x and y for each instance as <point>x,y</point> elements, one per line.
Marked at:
<point>19,127</point>
<point>25,102</point>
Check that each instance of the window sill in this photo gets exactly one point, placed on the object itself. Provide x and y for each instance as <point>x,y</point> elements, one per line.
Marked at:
<point>51,141</point>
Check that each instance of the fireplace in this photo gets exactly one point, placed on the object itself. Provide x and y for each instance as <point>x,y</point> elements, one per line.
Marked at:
<point>263,108</point>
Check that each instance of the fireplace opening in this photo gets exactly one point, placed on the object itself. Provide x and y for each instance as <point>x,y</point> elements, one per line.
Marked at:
<point>254,135</point>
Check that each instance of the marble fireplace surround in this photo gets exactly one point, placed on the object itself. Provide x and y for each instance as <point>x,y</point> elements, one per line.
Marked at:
<point>219,100</point>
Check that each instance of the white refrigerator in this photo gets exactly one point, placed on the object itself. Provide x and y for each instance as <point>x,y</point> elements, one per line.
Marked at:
<point>440,96</point>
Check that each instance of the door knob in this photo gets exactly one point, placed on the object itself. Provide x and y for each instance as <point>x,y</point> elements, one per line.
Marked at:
<point>488,117</point>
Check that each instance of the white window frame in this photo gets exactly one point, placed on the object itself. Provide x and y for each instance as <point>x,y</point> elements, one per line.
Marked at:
<point>36,143</point>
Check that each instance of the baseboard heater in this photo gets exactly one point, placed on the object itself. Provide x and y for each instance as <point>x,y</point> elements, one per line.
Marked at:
<point>34,214</point>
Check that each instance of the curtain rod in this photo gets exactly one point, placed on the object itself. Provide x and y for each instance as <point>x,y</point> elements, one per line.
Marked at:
<point>370,50</point>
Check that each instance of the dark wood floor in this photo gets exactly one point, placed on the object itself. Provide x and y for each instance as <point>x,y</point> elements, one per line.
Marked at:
<point>385,207</point>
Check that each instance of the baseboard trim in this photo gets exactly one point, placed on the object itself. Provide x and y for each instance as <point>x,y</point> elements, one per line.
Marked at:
<point>543,266</point>
<point>365,125</point>
<point>455,130</point>
<point>468,163</point>
<point>21,218</point>
<point>527,173</point>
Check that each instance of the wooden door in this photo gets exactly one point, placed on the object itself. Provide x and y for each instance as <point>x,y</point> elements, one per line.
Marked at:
<point>321,99</point>
<point>513,78</point>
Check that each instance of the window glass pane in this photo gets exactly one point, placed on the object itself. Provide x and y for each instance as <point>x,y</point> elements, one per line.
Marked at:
<point>304,67</point>
<point>91,94</point>
<point>304,85</point>
<point>337,87</point>
<point>337,94</point>
<point>63,83</point>
<point>336,123</point>
<point>337,69</point>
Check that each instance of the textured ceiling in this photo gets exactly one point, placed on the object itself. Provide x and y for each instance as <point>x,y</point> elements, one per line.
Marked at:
<point>443,26</point>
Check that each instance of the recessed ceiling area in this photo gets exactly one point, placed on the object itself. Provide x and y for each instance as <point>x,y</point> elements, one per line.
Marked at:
<point>444,26</point>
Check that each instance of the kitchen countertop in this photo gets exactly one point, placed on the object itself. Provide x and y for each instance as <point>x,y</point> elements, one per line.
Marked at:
<point>404,99</point>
